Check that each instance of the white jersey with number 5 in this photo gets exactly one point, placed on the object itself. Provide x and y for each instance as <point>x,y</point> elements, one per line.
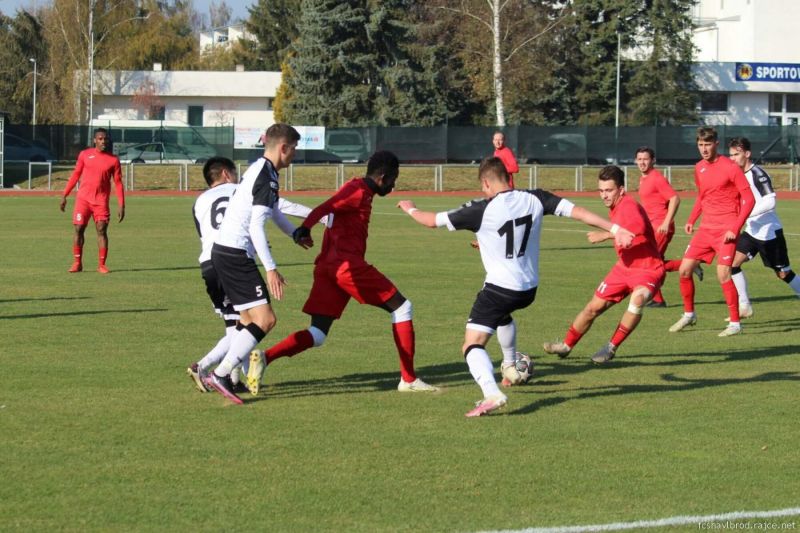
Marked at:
<point>209,210</point>
<point>508,228</point>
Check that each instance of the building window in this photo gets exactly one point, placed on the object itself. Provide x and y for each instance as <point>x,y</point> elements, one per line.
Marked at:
<point>793,103</point>
<point>195,115</point>
<point>269,103</point>
<point>713,102</point>
<point>775,103</point>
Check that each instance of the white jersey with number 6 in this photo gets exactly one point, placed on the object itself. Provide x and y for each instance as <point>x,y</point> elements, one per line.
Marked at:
<point>209,210</point>
<point>508,228</point>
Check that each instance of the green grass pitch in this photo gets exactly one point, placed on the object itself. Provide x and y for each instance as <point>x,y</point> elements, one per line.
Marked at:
<point>101,429</point>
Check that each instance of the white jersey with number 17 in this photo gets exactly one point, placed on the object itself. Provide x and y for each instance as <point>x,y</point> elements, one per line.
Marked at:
<point>508,228</point>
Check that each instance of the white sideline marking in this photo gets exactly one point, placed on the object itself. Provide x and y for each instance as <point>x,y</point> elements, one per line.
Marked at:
<point>661,522</point>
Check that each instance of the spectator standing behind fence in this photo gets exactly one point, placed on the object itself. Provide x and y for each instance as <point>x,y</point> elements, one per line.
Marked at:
<point>505,155</point>
<point>94,168</point>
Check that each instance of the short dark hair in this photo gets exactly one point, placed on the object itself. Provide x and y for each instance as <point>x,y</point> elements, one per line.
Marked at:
<point>706,133</point>
<point>99,130</point>
<point>280,132</point>
<point>647,150</point>
<point>384,163</point>
<point>212,170</point>
<point>612,172</point>
<point>493,167</point>
<point>743,143</point>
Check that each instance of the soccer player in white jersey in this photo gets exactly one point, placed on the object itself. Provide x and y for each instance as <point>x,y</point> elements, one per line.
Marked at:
<point>241,232</point>
<point>507,224</point>
<point>763,232</point>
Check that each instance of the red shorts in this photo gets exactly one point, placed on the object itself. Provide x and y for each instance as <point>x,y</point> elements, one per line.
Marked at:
<point>83,210</point>
<point>663,240</point>
<point>335,283</point>
<point>707,243</point>
<point>621,281</point>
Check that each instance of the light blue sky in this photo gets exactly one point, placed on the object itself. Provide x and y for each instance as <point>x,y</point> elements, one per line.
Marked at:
<point>9,7</point>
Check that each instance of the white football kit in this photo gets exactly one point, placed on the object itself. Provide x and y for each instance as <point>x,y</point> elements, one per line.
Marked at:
<point>508,228</point>
<point>763,220</point>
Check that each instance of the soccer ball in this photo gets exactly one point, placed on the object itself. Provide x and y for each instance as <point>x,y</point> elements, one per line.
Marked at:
<point>524,367</point>
<point>518,373</point>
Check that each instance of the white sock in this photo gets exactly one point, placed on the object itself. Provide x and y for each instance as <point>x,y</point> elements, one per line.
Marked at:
<point>741,287</point>
<point>218,352</point>
<point>795,285</point>
<point>480,366</point>
<point>507,337</point>
<point>689,315</point>
<point>241,346</point>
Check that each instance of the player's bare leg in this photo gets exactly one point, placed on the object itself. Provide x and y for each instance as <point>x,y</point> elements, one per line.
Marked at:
<point>630,319</point>
<point>686,271</point>
<point>102,245</point>
<point>77,248</point>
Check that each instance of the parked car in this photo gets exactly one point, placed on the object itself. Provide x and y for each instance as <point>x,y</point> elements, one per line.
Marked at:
<point>347,145</point>
<point>159,152</point>
<point>19,149</point>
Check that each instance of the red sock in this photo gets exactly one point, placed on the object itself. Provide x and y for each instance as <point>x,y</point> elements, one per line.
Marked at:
<point>103,254</point>
<point>404,340</point>
<point>572,337</point>
<point>293,344</point>
<point>77,251</point>
<point>672,265</point>
<point>620,334</point>
<point>658,298</point>
<point>731,299</point>
<point>687,293</point>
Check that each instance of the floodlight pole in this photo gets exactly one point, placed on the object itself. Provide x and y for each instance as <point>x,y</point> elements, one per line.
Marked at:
<point>616,113</point>
<point>33,60</point>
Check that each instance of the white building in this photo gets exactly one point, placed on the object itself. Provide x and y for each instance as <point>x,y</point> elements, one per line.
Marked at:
<point>198,98</point>
<point>223,37</point>
<point>748,61</point>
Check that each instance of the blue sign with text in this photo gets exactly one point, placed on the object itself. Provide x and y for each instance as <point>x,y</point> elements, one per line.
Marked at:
<point>767,72</point>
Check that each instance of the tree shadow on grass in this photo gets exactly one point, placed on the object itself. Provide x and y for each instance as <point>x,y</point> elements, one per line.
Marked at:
<point>671,383</point>
<point>79,313</point>
<point>44,299</point>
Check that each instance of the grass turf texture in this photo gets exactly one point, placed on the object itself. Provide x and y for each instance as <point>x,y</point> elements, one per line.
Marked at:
<point>101,429</point>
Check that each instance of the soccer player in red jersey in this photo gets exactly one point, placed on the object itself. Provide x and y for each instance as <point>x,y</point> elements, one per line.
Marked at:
<point>341,273</point>
<point>505,155</point>
<point>639,272</point>
<point>725,200</point>
<point>95,169</point>
<point>660,202</point>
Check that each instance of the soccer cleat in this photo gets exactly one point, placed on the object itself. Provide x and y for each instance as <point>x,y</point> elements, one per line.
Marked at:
<point>487,405</point>
<point>256,371</point>
<point>76,267</point>
<point>653,303</point>
<point>198,375</point>
<point>222,385</point>
<point>102,269</point>
<point>415,386</point>
<point>604,354</point>
<point>682,323</point>
<point>558,348</point>
<point>698,271</point>
<point>732,329</point>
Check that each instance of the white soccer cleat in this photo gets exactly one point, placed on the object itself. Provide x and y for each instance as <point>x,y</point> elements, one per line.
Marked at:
<point>558,348</point>
<point>510,374</point>
<point>732,329</point>
<point>604,354</point>
<point>487,405</point>
<point>256,372</point>
<point>683,322</point>
<point>415,386</point>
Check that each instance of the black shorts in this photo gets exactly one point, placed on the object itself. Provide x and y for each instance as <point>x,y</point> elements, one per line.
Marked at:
<point>773,252</point>
<point>222,305</point>
<point>493,306</point>
<point>240,277</point>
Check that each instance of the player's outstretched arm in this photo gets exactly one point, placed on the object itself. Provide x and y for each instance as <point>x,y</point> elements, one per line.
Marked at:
<point>426,218</point>
<point>622,237</point>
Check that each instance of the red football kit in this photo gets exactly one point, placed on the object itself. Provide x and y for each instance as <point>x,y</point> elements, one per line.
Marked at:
<point>340,271</point>
<point>638,265</point>
<point>95,170</point>
<point>655,193</point>
<point>724,200</point>
<point>509,161</point>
